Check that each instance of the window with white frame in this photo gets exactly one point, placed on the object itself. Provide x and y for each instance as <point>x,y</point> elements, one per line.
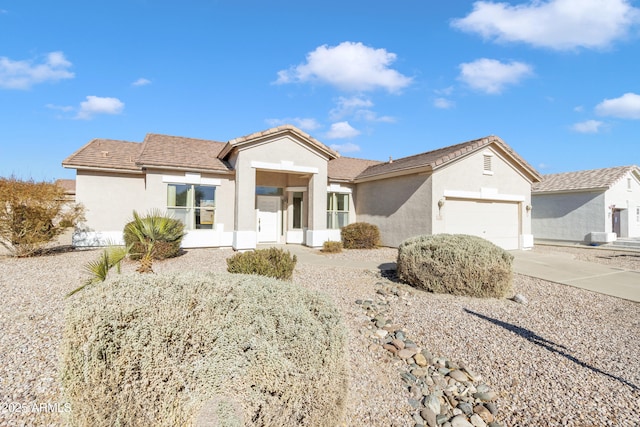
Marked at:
<point>194,205</point>
<point>337,210</point>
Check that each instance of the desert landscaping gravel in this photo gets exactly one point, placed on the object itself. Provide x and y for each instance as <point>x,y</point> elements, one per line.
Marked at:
<point>567,357</point>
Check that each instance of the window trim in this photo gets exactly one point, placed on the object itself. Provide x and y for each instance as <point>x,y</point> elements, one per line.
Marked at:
<point>332,214</point>
<point>191,211</point>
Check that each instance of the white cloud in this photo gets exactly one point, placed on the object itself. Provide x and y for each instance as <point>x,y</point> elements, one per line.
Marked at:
<point>63,108</point>
<point>554,24</point>
<point>589,126</point>
<point>141,82</point>
<point>357,107</point>
<point>443,103</point>
<point>578,109</point>
<point>306,124</point>
<point>99,105</point>
<point>341,130</point>
<point>25,74</point>
<point>348,66</point>
<point>345,148</point>
<point>625,107</point>
<point>491,76</point>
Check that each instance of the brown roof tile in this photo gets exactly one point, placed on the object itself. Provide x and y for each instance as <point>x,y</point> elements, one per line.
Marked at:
<point>179,152</point>
<point>583,180</point>
<point>105,154</point>
<point>442,156</point>
<point>348,168</point>
<point>69,185</point>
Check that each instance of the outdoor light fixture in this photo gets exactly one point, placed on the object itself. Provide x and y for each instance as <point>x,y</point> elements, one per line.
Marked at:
<point>440,203</point>
<point>528,208</point>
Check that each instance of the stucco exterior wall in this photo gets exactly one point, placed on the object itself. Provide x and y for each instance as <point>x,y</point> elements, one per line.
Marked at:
<point>109,199</point>
<point>569,216</point>
<point>400,206</point>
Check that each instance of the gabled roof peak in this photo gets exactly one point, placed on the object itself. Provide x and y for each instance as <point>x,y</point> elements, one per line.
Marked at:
<point>592,179</point>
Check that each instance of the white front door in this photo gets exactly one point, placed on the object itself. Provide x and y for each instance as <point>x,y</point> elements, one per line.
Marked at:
<point>268,212</point>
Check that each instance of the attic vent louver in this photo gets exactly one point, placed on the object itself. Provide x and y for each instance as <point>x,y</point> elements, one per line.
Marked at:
<point>487,164</point>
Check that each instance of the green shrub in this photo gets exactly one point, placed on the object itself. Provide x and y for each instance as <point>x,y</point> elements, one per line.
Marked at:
<point>332,247</point>
<point>455,264</point>
<point>271,262</point>
<point>158,350</point>
<point>360,235</point>
<point>156,233</point>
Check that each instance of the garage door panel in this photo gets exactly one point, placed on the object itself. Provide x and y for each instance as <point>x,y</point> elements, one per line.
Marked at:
<point>497,222</point>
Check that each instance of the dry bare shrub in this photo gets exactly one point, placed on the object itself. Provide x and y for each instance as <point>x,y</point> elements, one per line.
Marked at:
<point>270,262</point>
<point>155,349</point>
<point>32,214</point>
<point>331,247</point>
<point>455,264</point>
<point>360,235</point>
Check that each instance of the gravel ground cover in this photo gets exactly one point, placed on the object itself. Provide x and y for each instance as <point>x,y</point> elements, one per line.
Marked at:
<point>568,357</point>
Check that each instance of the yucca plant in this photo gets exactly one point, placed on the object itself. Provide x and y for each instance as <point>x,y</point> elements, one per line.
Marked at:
<point>98,269</point>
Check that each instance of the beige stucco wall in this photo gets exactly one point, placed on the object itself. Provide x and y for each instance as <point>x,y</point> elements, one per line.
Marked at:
<point>399,206</point>
<point>109,199</point>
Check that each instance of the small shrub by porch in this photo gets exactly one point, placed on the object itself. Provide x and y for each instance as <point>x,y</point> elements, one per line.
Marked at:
<point>360,235</point>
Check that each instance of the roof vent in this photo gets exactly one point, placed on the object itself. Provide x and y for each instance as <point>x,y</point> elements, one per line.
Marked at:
<point>390,159</point>
<point>105,153</point>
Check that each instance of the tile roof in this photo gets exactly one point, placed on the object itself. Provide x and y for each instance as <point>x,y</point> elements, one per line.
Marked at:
<point>180,152</point>
<point>256,136</point>
<point>438,158</point>
<point>583,180</point>
<point>68,185</point>
<point>348,168</point>
<point>106,154</point>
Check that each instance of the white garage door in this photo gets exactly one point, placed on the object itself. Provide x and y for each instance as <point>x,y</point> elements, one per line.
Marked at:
<point>497,222</point>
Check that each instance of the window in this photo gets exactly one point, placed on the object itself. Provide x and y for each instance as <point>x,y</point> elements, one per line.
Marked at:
<point>297,209</point>
<point>194,205</point>
<point>337,210</point>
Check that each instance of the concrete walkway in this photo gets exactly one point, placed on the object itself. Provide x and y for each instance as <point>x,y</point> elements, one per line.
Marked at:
<point>562,268</point>
<point>555,267</point>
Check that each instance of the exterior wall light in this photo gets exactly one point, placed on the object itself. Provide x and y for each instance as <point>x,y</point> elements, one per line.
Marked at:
<point>528,208</point>
<point>440,203</point>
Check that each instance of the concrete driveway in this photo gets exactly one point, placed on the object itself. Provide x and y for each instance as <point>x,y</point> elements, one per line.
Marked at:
<point>562,268</point>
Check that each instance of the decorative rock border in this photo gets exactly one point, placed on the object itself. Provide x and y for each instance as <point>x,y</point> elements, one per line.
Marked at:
<point>442,392</point>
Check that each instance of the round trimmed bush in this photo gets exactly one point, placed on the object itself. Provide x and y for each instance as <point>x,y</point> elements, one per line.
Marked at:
<point>360,235</point>
<point>270,262</point>
<point>455,264</point>
<point>164,350</point>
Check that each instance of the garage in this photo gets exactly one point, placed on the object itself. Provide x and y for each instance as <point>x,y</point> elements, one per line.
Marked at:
<point>496,221</point>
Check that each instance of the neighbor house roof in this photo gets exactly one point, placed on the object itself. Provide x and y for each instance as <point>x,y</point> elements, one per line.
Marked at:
<point>594,179</point>
<point>348,168</point>
<point>435,159</point>
<point>106,154</point>
<point>258,137</point>
<point>68,185</point>
<point>182,153</point>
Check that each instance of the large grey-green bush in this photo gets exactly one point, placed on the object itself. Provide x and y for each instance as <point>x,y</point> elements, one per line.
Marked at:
<point>455,264</point>
<point>146,350</point>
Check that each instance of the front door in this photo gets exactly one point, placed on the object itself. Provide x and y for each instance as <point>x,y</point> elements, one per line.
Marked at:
<point>268,212</point>
<point>616,222</point>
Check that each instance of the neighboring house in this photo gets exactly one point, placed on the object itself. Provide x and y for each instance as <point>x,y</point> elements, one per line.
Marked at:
<point>593,206</point>
<point>283,186</point>
<point>69,187</point>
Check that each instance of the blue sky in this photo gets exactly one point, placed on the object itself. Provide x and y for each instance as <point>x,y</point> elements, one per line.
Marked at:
<point>558,80</point>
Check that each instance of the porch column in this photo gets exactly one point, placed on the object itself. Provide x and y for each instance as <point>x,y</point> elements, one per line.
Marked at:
<point>244,235</point>
<point>317,232</point>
